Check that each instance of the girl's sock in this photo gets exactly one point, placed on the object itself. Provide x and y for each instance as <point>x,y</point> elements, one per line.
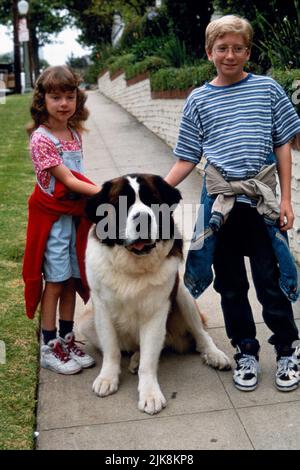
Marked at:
<point>65,327</point>
<point>48,335</point>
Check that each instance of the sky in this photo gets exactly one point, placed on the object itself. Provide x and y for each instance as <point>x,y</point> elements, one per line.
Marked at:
<point>56,53</point>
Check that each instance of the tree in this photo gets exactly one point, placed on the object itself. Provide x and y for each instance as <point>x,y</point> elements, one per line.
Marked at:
<point>78,63</point>
<point>273,12</point>
<point>6,58</point>
<point>190,19</point>
<point>45,17</point>
<point>94,18</point>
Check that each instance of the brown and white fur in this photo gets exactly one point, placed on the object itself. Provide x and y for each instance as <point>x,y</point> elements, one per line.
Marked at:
<point>139,302</point>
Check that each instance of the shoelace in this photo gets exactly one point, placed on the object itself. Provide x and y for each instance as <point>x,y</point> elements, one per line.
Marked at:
<point>72,346</point>
<point>285,365</point>
<point>60,353</point>
<point>247,362</point>
<point>297,353</point>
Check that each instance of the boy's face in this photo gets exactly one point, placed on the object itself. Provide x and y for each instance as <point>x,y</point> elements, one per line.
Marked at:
<point>229,54</point>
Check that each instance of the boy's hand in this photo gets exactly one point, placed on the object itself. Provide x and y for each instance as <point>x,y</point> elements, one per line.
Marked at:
<point>286,219</point>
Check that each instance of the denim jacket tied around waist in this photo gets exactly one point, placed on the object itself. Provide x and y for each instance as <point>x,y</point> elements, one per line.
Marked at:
<point>198,271</point>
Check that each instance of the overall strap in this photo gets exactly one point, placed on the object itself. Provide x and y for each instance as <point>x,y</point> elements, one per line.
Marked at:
<point>54,140</point>
<point>76,135</point>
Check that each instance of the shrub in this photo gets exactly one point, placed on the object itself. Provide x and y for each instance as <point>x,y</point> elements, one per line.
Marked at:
<point>174,51</point>
<point>287,79</point>
<point>281,42</point>
<point>120,63</point>
<point>92,73</point>
<point>148,46</point>
<point>150,64</point>
<point>173,78</point>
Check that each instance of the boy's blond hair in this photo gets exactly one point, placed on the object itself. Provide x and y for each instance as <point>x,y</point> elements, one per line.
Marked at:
<point>228,24</point>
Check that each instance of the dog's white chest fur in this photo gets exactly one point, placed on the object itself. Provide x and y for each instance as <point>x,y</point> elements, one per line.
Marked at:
<point>131,288</point>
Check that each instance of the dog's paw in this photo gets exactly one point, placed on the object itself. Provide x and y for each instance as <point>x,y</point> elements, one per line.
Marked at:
<point>105,386</point>
<point>217,359</point>
<point>152,402</point>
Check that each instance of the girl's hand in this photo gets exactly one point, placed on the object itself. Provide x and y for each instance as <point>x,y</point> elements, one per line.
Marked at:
<point>286,219</point>
<point>65,176</point>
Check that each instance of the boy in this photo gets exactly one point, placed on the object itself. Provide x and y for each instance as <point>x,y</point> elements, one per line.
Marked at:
<point>236,121</point>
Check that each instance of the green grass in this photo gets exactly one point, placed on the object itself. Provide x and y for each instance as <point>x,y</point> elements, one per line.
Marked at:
<point>18,377</point>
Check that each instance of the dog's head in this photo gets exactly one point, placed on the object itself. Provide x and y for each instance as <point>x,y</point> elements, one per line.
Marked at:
<point>135,211</point>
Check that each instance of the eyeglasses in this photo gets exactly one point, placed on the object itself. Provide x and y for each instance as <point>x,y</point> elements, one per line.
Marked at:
<point>237,50</point>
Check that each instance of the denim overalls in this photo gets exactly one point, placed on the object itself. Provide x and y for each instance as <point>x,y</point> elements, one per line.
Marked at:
<point>60,259</point>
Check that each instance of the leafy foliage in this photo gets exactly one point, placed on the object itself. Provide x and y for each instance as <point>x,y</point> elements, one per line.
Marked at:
<point>45,19</point>
<point>290,81</point>
<point>150,64</point>
<point>183,78</point>
<point>189,21</point>
<point>120,63</point>
<point>94,18</point>
<point>175,52</point>
<point>6,58</point>
<point>78,63</point>
<point>280,42</point>
<point>273,11</point>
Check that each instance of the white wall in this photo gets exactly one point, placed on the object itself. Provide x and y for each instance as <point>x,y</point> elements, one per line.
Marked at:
<point>162,116</point>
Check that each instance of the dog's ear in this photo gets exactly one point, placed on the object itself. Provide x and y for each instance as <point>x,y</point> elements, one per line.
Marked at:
<point>169,195</point>
<point>95,201</point>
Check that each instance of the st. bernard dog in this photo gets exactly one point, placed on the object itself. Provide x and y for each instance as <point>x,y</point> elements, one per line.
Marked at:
<point>139,302</point>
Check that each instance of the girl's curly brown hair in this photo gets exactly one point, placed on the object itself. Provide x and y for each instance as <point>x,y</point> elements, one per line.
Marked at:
<point>57,78</point>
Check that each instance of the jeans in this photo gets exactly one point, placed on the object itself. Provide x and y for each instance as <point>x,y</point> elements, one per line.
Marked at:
<point>245,234</point>
<point>198,270</point>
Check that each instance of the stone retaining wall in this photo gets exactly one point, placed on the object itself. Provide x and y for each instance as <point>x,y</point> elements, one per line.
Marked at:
<point>162,116</point>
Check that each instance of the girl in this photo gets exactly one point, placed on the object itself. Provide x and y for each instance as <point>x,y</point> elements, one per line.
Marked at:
<point>58,112</point>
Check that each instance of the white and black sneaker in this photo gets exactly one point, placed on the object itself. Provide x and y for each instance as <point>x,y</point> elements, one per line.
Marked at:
<point>245,375</point>
<point>287,373</point>
<point>296,355</point>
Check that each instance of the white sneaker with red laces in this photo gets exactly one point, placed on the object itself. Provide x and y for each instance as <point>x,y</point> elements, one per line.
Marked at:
<point>55,358</point>
<point>75,352</point>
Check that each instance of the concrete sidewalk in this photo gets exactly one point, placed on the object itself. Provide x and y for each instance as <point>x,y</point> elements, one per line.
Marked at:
<point>204,410</point>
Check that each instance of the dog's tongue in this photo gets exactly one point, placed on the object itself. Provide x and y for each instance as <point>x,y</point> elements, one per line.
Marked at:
<point>138,245</point>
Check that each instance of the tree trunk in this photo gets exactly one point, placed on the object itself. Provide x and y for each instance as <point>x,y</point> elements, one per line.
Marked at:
<point>35,52</point>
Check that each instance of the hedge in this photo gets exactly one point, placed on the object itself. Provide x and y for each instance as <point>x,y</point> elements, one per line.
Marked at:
<point>180,79</point>
<point>150,64</point>
<point>120,63</point>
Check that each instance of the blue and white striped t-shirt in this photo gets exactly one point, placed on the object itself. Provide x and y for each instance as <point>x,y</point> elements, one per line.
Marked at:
<point>236,126</point>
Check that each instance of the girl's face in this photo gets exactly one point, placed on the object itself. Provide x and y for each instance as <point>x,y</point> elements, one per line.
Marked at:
<point>229,55</point>
<point>60,105</point>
